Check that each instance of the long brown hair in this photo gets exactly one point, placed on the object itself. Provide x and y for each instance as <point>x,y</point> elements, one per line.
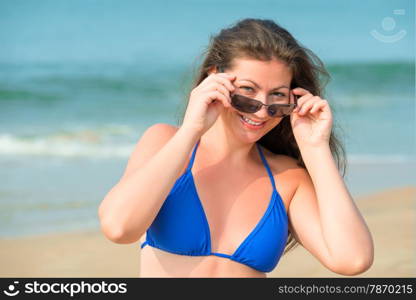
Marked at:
<point>264,40</point>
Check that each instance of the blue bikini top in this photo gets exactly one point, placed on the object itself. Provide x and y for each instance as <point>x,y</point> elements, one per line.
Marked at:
<point>181,226</point>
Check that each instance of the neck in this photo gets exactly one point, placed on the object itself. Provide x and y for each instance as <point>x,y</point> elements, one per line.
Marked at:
<point>225,147</point>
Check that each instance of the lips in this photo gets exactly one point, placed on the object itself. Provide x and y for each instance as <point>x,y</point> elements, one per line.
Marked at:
<point>256,121</point>
<point>248,125</point>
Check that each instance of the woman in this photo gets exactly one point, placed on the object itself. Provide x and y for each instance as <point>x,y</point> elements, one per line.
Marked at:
<point>242,179</point>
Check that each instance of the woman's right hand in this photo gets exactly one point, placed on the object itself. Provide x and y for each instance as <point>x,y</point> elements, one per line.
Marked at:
<point>207,101</point>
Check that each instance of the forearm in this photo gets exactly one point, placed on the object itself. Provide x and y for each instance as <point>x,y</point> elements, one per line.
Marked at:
<point>344,230</point>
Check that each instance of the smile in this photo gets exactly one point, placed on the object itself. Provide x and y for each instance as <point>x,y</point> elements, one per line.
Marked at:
<point>250,123</point>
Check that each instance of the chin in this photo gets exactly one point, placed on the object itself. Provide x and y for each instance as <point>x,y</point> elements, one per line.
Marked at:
<point>251,134</point>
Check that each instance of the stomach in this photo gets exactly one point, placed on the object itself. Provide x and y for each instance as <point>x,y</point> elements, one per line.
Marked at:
<point>158,263</point>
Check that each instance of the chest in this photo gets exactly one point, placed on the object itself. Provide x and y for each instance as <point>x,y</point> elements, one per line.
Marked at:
<point>235,202</point>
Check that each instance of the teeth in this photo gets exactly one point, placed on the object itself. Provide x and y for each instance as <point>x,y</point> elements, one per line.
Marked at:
<point>250,121</point>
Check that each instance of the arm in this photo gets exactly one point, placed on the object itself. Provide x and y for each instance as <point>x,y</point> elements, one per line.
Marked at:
<point>325,219</point>
<point>131,205</point>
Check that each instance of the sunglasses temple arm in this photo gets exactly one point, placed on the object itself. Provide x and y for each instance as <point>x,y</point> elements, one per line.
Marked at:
<point>295,99</point>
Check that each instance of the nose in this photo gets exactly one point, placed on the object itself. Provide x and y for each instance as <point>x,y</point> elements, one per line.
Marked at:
<point>262,114</point>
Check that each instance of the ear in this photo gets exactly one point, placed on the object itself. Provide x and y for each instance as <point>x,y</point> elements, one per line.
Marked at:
<point>212,69</point>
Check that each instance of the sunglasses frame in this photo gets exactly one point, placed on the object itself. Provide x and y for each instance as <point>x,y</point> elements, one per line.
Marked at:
<point>260,104</point>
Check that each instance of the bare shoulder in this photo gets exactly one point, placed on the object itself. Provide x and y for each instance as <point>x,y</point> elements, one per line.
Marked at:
<point>286,164</point>
<point>154,137</point>
<point>149,143</point>
<point>281,162</point>
<point>287,173</point>
<point>161,131</point>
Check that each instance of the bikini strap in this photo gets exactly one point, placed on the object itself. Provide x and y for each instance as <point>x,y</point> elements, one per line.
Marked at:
<point>191,162</point>
<point>267,166</point>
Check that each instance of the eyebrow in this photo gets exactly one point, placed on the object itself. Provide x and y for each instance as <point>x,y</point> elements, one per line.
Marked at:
<point>276,88</point>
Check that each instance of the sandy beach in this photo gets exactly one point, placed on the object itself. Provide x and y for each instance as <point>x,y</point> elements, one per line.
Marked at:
<point>390,214</point>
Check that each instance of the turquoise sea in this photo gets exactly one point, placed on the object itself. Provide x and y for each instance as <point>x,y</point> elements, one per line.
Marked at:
<point>80,81</point>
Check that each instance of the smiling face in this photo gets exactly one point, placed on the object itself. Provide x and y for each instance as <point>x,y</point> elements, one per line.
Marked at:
<point>265,81</point>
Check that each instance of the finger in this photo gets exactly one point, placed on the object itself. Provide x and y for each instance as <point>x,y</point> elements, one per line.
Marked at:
<point>300,91</point>
<point>218,87</point>
<point>308,105</point>
<point>226,75</point>
<point>315,107</point>
<point>318,105</point>
<point>225,81</point>
<point>302,100</point>
<point>216,95</point>
<point>224,78</point>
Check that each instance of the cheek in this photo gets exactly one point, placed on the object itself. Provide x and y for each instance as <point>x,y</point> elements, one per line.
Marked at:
<point>229,115</point>
<point>273,123</point>
<point>232,112</point>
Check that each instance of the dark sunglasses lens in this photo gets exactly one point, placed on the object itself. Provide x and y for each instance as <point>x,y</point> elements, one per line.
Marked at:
<point>280,111</point>
<point>244,104</point>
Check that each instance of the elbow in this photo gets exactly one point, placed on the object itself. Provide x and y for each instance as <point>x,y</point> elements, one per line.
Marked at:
<point>117,234</point>
<point>115,231</point>
<point>112,233</point>
<point>353,268</point>
<point>356,262</point>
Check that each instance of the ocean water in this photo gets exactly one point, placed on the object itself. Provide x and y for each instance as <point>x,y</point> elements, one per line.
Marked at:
<point>80,81</point>
<point>97,111</point>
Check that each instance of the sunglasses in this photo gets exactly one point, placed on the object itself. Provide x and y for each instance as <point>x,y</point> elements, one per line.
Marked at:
<point>249,105</point>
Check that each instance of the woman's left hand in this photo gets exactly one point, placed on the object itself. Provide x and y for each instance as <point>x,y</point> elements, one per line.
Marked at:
<point>311,120</point>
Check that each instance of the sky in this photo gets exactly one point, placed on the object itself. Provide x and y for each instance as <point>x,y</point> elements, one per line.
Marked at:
<point>127,31</point>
